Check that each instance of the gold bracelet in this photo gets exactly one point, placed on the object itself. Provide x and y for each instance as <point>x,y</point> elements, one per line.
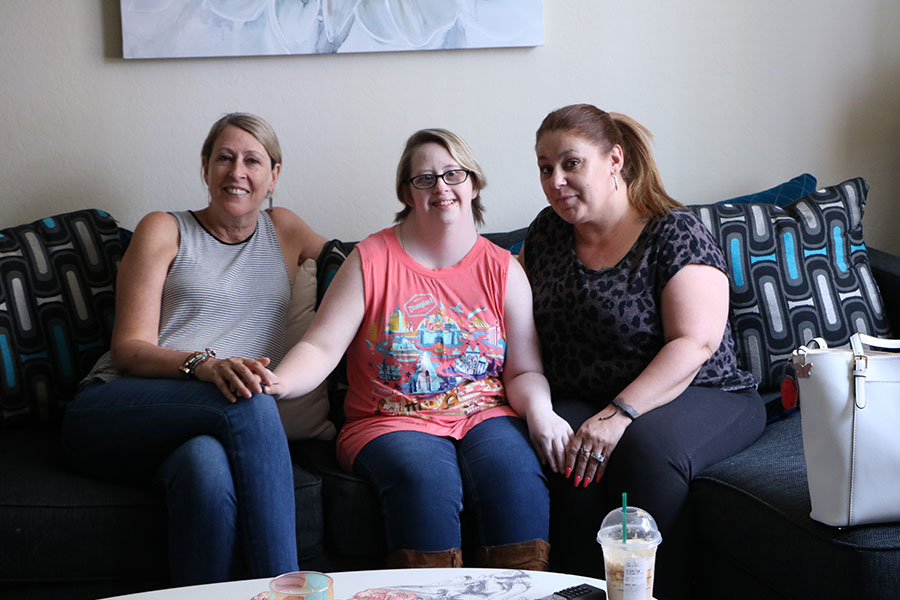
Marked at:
<point>194,360</point>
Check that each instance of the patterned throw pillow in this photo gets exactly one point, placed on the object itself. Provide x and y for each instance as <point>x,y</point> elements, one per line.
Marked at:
<point>510,240</point>
<point>797,272</point>
<point>333,255</point>
<point>56,309</point>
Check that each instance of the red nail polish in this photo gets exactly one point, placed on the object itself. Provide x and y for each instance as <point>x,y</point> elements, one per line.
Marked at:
<point>568,472</point>
<point>587,481</point>
<point>577,480</point>
<point>597,479</point>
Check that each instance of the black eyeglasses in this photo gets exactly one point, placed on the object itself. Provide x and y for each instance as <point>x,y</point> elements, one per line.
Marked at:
<point>429,180</point>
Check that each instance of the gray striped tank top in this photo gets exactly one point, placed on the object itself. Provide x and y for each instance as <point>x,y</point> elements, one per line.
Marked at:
<point>232,298</point>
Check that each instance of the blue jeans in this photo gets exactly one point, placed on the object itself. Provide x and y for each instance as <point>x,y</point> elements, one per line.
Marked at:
<point>424,481</point>
<point>225,470</point>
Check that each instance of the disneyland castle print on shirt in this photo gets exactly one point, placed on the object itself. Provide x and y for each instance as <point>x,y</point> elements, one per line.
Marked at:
<point>436,359</point>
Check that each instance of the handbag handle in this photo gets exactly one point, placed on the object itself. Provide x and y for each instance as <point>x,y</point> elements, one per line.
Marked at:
<point>802,351</point>
<point>861,361</point>
<point>858,340</point>
<point>820,343</point>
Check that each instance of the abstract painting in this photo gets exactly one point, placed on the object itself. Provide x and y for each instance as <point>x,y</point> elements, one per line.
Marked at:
<point>200,28</point>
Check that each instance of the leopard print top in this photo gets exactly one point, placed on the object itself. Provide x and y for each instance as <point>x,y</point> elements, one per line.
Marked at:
<point>600,328</point>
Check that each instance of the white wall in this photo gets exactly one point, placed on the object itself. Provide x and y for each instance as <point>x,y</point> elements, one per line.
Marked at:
<point>741,96</point>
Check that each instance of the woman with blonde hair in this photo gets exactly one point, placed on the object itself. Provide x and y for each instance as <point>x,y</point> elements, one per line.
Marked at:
<point>446,387</point>
<point>201,303</point>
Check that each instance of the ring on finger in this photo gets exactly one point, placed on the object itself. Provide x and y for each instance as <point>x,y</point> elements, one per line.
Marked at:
<point>584,451</point>
<point>598,456</point>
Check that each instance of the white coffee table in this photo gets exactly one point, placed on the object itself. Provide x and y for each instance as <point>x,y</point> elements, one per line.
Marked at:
<point>428,584</point>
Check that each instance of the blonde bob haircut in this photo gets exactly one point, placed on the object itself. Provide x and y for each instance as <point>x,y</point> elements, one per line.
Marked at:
<point>461,153</point>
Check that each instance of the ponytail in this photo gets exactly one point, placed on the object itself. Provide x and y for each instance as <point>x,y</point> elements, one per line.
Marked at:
<point>645,187</point>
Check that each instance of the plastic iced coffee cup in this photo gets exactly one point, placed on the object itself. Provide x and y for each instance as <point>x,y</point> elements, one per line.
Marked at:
<point>629,553</point>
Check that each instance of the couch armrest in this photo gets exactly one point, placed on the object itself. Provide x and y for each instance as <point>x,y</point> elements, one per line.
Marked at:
<point>886,269</point>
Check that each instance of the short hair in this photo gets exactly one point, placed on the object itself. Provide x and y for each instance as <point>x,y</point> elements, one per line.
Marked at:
<point>606,130</point>
<point>461,153</point>
<point>255,126</point>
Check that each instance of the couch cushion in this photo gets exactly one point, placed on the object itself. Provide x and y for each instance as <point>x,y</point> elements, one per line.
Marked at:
<point>306,416</point>
<point>56,525</point>
<point>752,510</point>
<point>781,194</point>
<point>796,272</point>
<point>310,516</point>
<point>56,309</point>
<point>353,525</point>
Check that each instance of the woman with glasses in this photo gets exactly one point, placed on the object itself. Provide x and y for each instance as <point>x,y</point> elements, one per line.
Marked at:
<point>446,388</point>
<point>631,301</point>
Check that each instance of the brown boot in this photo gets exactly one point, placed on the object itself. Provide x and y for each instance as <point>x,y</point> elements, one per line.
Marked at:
<point>415,559</point>
<point>532,556</point>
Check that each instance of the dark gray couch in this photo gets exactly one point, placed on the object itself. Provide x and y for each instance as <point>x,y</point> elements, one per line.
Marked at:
<point>758,539</point>
<point>67,536</point>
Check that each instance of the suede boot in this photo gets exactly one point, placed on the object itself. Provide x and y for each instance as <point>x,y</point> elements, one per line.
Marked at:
<point>415,559</point>
<point>532,556</point>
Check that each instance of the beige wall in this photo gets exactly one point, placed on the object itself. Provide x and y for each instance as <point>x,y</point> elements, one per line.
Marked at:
<point>741,95</point>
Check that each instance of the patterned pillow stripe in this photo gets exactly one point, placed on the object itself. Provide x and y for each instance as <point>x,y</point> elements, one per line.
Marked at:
<point>797,272</point>
<point>56,309</point>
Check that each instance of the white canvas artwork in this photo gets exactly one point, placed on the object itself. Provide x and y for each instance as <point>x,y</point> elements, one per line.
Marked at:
<point>197,28</point>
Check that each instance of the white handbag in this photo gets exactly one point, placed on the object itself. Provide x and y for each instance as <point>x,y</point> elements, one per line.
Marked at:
<point>850,418</point>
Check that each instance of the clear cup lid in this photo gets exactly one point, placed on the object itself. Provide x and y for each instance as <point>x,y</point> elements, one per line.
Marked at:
<point>639,527</point>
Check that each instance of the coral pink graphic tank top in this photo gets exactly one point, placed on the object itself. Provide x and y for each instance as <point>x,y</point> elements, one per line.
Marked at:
<point>429,353</point>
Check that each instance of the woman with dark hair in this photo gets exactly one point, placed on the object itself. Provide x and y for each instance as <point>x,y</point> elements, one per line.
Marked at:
<point>201,304</point>
<point>446,388</point>
<point>631,306</point>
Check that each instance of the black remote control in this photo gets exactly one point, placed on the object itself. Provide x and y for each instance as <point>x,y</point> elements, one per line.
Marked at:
<point>584,591</point>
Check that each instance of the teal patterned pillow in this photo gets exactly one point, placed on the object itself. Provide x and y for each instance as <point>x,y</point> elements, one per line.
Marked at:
<point>797,272</point>
<point>330,259</point>
<point>56,309</point>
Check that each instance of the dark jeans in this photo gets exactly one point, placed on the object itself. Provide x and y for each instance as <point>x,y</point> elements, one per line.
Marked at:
<point>225,470</point>
<point>424,481</point>
<point>654,462</point>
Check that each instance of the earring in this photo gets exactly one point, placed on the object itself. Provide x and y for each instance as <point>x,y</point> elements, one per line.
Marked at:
<point>616,181</point>
<point>270,202</point>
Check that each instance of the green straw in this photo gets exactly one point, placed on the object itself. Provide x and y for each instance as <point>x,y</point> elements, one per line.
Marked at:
<point>624,517</point>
